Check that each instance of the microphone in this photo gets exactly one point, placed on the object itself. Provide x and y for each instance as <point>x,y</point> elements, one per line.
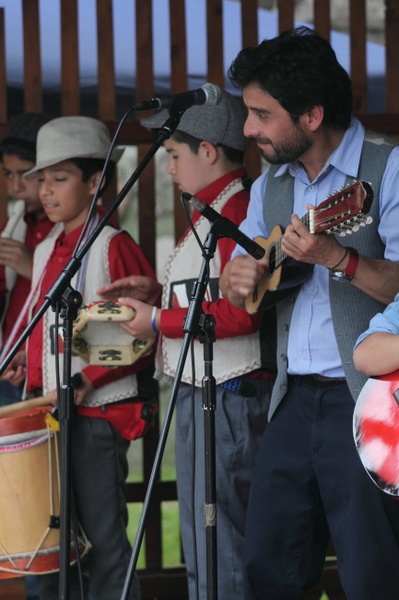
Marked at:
<point>208,95</point>
<point>226,227</point>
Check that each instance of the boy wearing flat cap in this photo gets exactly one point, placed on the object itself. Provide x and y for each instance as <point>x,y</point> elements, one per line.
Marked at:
<point>70,159</point>
<point>206,155</point>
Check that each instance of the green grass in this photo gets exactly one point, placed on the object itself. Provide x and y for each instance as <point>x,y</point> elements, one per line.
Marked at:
<point>171,556</point>
<point>171,547</point>
<point>170,515</point>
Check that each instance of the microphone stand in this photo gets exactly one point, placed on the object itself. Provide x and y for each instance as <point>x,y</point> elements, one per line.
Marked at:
<point>196,323</point>
<point>61,293</point>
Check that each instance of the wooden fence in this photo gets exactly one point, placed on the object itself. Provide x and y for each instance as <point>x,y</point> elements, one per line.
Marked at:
<point>156,580</point>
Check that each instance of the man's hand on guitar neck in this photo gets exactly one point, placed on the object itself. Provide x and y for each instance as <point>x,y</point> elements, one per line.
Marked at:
<point>240,277</point>
<point>320,249</point>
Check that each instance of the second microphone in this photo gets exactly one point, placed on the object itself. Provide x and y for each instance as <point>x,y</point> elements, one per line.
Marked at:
<point>225,227</point>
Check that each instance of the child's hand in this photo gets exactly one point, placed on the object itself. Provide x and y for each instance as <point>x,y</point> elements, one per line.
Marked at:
<point>85,387</point>
<point>17,256</point>
<point>15,373</point>
<point>140,326</point>
<point>138,287</point>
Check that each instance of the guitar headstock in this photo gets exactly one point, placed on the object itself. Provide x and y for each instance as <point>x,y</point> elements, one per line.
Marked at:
<point>343,212</point>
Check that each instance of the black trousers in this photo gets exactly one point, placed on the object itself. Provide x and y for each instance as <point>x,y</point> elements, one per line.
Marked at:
<point>309,482</point>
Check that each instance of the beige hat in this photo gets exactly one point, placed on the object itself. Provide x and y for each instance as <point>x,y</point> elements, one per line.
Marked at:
<point>72,137</point>
<point>219,124</point>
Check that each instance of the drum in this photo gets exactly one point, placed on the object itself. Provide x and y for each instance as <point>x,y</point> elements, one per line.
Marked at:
<point>375,430</point>
<point>30,495</point>
<point>99,340</point>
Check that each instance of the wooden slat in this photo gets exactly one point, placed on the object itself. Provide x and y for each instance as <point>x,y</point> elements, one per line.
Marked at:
<point>179,83</point>
<point>144,50</point>
<point>145,90</point>
<point>3,204</point>
<point>3,71</point>
<point>214,35</point>
<point>153,532</point>
<point>106,81</point>
<point>147,206</point>
<point>178,47</point>
<point>147,229</point>
<point>387,123</point>
<point>322,20</point>
<point>392,55</point>
<point>249,23</point>
<point>32,63</point>
<point>249,35</point>
<point>358,54</point>
<point>3,114</point>
<point>106,66</point>
<point>170,583</point>
<point>286,12</point>
<point>12,589</point>
<point>70,86</point>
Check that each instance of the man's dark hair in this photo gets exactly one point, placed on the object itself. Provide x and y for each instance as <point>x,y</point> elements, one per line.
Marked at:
<point>300,70</point>
<point>90,166</point>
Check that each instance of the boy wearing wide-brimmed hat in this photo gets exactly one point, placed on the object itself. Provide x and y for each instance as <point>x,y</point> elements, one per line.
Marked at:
<point>70,159</point>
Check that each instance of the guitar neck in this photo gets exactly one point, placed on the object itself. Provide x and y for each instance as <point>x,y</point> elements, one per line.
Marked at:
<point>279,256</point>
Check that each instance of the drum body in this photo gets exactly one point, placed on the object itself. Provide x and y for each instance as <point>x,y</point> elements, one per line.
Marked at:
<point>30,496</point>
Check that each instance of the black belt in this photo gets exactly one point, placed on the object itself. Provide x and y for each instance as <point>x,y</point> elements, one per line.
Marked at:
<point>316,378</point>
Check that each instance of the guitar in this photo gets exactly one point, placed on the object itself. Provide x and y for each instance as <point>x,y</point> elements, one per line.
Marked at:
<point>343,212</point>
<point>376,430</point>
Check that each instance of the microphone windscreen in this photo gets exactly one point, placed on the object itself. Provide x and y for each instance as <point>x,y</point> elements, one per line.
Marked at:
<point>213,94</point>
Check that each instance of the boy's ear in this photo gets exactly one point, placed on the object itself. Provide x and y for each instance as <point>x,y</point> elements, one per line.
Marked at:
<point>94,181</point>
<point>209,151</point>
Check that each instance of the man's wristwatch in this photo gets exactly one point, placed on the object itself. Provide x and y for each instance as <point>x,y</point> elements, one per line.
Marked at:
<point>351,267</point>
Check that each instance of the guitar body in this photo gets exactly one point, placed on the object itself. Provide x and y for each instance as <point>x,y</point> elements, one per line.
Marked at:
<point>376,431</point>
<point>341,213</point>
<point>280,279</point>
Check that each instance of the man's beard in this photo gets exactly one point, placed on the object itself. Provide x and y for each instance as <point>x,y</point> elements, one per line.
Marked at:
<point>285,152</point>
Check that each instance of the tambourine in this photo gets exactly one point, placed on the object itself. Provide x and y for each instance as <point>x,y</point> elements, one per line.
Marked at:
<point>99,340</point>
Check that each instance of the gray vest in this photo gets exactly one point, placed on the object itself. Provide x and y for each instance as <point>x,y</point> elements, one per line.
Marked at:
<point>351,308</point>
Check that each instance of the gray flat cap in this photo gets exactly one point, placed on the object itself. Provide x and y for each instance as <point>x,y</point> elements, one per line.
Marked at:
<point>220,124</point>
